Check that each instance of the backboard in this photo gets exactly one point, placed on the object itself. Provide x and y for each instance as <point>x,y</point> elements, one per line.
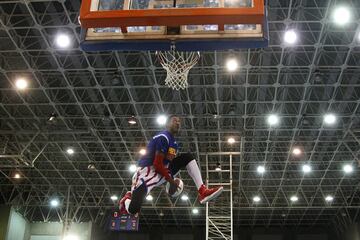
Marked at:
<point>184,25</point>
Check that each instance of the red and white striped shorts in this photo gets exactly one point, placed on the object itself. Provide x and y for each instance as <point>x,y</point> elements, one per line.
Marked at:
<point>148,176</point>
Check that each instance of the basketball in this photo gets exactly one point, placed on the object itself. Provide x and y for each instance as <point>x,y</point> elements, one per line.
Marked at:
<point>172,191</point>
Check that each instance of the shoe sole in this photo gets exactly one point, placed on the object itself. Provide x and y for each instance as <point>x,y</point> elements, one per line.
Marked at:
<point>212,196</point>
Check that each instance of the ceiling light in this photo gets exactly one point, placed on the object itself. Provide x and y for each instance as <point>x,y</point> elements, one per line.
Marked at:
<point>341,15</point>
<point>71,237</point>
<point>195,211</point>
<point>132,120</point>
<point>273,120</point>
<point>132,168</point>
<point>296,151</point>
<point>21,84</point>
<point>17,176</point>
<point>290,37</point>
<point>294,198</point>
<point>329,198</point>
<point>161,120</point>
<point>348,168</point>
<point>260,169</point>
<point>256,199</point>
<point>329,119</point>
<point>70,151</point>
<point>184,197</point>
<point>142,151</point>
<point>114,197</point>
<point>52,118</point>
<point>231,140</point>
<point>231,64</point>
<point>306,168</point>
<point>54,202</point>
<point>91,166</point>
<point>63,41</point>
<point>149,197</point>
<point>161,214</point>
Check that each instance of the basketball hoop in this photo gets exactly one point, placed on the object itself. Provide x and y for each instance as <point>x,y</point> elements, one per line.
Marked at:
<point>177,66</point>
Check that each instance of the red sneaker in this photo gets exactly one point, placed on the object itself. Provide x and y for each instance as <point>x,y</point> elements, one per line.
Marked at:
<point>207,194</point>
<point>122,203</point>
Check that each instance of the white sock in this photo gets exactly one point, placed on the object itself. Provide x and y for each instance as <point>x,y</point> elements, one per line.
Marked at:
<point>127,204</point>
<point>194,172</point>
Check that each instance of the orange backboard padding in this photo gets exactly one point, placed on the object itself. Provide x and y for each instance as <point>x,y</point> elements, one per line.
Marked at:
<point>171,17</point>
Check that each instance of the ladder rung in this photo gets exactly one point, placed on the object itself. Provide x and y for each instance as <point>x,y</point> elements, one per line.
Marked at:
<point>219,217</point>
<point>219,184</point>
<point>219,171</point>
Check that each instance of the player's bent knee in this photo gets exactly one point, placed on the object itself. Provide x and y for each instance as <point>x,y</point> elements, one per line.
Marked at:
<point>188,157</point>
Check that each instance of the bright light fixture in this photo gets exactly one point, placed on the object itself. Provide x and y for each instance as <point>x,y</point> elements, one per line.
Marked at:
<point>260,169</point>
<point>142,151</point>
<point>54,202</point>
<point>329,198</point>
<point>70,151</point>
<point>341,15</point>
<point>231,64</point>
<point>21,84</point>
<point>290,37</point>
<point>306,168</point>
<point>184,197</point>
<point>149,197</point>
<point>294,198</point>
<point>256,199</point>
<point>114,197</point>
<point>91,166</point>
<point>161,120</point>
<point>296,151</point>
<point>195,211</point>
<point>348,168</point>
<point>17,176</point>
<point>231,140</point>
<point>132,120</point>
<point>71,237</point>
<point>273,119</point>
<point>132,168</point>
<point>329,119</point>
<point>62,41</point>
<point>52,118</point>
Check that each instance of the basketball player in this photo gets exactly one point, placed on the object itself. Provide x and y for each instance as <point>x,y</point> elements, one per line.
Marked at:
<point>160,165</point>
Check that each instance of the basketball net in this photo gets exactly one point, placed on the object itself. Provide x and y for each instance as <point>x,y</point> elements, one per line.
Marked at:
<point>177,66</point>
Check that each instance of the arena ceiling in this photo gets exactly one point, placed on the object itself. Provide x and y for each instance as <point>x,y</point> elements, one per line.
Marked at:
<point>92,96</point>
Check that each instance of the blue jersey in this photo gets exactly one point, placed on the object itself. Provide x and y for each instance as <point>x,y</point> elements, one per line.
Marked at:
<point>162,142</point>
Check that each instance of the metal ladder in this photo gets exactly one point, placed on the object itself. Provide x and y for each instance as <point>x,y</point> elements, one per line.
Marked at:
<point>219,213</point>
